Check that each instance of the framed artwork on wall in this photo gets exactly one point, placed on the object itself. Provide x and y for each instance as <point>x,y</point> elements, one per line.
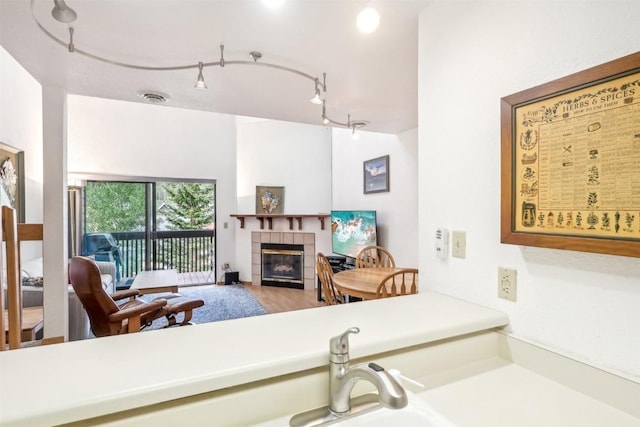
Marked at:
<point>570,155</point>
<point>12,179</point>
<point>269,200</point>
<point>376,175</point>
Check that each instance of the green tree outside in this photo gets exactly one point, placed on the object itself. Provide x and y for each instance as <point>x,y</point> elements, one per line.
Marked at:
<point>120,207</point>
<point>188,206</point>
<point>114,206</point>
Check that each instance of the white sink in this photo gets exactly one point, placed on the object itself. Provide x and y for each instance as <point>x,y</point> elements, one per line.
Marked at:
<point>416,414</point>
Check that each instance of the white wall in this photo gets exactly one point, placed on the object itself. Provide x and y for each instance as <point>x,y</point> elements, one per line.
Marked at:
<point>21,127</point>
<point>472,53</point>
<point>396,210</point>
<point>283,154</point>
<point>132,139</point>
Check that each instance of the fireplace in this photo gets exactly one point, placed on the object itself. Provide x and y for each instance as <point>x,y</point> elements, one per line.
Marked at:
<point>282,265</point>
<point>300,274</point>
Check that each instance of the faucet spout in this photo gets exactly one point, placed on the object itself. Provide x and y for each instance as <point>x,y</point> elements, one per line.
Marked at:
<point>343,377</point>
<point>390,393</point>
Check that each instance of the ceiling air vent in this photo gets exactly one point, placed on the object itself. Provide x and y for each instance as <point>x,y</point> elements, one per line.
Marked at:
<point>153,97</point>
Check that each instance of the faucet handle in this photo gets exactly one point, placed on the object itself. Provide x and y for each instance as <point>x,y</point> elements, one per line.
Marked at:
<point>340,343</point>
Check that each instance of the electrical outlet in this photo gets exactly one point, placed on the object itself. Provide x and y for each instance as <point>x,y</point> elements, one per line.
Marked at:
<point>459,244</point>
<point>507,283</point>
<point>225,266</point>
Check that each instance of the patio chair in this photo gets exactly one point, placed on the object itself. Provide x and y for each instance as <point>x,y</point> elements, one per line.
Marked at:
<point>107,318</point>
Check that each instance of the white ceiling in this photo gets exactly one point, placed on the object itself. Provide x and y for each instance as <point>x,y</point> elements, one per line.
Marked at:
<point>372,77</point>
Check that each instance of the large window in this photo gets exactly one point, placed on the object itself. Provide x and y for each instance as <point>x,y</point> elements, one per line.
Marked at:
<point>157,225</point>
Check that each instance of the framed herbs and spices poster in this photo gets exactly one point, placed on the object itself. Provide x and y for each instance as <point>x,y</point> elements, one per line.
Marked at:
<point>570,164</point>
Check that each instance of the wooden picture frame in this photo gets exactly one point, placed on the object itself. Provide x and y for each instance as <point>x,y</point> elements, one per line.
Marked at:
<point>12,179</point>
<point>269,200</point>
<point>569,164</point>
<point>376,175</point>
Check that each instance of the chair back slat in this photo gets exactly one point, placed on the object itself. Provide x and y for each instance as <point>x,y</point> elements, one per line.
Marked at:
<point>14,285</point>
<point>375,257</point>
<point>401,282</point>
<point>332,296</point>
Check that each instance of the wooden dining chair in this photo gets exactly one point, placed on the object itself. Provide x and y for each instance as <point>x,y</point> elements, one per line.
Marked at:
<point>401,282</point>
<point>21,324</point>
<point>375,257</point>
<point>332,296</point>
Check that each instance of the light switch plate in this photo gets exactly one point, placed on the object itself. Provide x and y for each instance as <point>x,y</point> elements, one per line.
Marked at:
<point>459,244</point>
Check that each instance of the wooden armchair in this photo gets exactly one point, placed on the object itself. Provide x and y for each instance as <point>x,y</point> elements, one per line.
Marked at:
<point>375,257</point>
<point>107,318</point>
<point>332,296</point>
<point>402,282</point>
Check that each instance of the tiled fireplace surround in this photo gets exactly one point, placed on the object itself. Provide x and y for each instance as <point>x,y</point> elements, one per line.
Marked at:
<point>288,238</point>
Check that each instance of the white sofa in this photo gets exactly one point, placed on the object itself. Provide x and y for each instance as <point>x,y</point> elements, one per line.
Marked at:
<point>33,286</point>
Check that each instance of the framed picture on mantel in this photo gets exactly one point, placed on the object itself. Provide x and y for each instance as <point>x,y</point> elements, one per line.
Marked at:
<point>269,200</point>
<point>376,175</point>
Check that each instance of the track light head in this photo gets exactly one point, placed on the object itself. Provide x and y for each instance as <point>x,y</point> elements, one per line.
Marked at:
<point>316,96</point>
<point>63,13</point>
<point>200,84</point>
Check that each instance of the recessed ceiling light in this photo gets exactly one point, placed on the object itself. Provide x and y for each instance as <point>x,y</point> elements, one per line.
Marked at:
<point>368,20</point>
<point>273,3</point>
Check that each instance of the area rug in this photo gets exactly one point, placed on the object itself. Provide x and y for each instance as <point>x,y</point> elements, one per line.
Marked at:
<point>220,303</point>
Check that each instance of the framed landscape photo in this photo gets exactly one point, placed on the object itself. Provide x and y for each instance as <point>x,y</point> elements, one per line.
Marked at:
<point>570,156</point>
<point>269,200</point>
<point>376,175</point>
<point>12,180</point>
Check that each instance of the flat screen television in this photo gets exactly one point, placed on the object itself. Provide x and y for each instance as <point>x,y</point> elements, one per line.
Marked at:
<point>352,230</point>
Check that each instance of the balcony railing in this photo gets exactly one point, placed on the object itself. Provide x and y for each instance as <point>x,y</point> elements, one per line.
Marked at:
<point>187,251</point>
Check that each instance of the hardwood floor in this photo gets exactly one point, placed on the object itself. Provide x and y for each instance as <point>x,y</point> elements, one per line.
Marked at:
<point>277,300</point>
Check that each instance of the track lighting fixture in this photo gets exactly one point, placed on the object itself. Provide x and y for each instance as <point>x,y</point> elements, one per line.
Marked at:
<point>325,119</point>
<point>200,84</point>
<point>316,96</point>
<point>354,125</point>
<point>63,13</point>
<point>71,46</point>
<point>255,55</point>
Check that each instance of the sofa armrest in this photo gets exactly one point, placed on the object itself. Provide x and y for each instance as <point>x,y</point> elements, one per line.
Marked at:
<point>107,267</point>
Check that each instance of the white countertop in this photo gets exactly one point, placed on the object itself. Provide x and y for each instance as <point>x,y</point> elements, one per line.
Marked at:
<point>72,381</point>
<point>509,395</point>
<point>503,394</point>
